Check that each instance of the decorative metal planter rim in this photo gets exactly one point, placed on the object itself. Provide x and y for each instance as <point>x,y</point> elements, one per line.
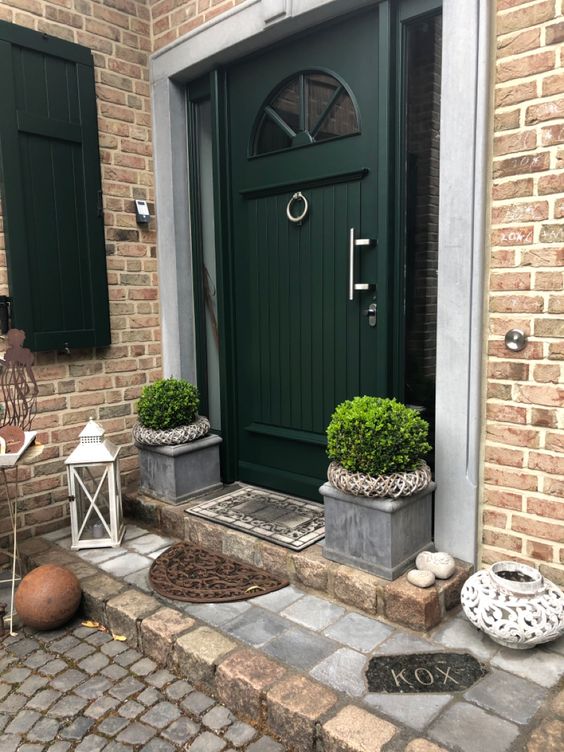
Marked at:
<point>392,486</point>
<point>173,436</point>
<point>536,585</point>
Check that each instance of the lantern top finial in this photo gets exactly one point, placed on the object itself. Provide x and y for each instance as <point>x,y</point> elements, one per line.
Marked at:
<point>92,433</point>
<point>93,447</point>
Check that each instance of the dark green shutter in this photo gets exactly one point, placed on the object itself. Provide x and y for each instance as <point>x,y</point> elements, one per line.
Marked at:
<point>51,191</point>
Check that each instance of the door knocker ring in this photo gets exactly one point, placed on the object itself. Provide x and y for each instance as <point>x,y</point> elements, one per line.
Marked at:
<point>298,219</point>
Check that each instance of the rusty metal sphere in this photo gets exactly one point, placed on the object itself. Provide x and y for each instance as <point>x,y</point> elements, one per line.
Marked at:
<point>48,597</point>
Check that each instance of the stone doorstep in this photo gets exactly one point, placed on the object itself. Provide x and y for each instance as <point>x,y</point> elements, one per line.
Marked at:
<point>399,601</point>
<point>304,715</point>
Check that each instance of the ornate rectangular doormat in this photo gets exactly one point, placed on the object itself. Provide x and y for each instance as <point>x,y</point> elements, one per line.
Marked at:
<point>290,522</point>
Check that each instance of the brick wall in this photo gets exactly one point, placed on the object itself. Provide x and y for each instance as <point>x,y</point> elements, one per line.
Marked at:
<point>523,495</point>
<point>101,383</point>
<point>523,489</point>
<point>172,19</point>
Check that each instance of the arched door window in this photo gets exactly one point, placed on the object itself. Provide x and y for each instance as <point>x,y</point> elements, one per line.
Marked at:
<point>308,108</point>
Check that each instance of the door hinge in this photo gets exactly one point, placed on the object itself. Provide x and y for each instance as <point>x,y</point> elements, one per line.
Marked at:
<point>100,205</point>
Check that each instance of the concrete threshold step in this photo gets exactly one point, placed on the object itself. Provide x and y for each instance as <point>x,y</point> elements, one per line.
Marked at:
<point>399,601</point>
<point>304,714</point>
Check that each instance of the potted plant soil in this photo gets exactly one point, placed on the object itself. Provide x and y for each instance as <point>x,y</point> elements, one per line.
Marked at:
<point>178,457</point>
<point>378,501</point>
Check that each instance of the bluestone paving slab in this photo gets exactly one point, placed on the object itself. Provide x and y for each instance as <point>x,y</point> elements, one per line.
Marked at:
<point>68,706</point>
<point>279,599</point>
<point>507,695</point>
<point>415,710</point>
<point>207,742</point>
<point>181,731</point>
<point>99,555</point>
<point>10,742</point>
<point>140,580</point>
<point>132,532</point>
<point>400,643</point>
<point>92,743</point>
<point>473,730</point>
<point>218,718</point>
<point>216,614</point>
<point>343,670</point>
<point>270,623</point>
<point>136,733</point>
<point>161,714</point>
<point>155,554</point>
<point>359,632</point>
<point>265,744</point>
<point>556,646</point>
<point>240,733</point>
<point>157,745</point>
<point>313,612</point>
<point>537,665</point>
<point>123,565</point>
<point>56,535</point>
<point>131,709</point>
<point>23,721</point>
<point>112,725</point>
<point>197,703</point>
<point>256,626</point>
<point>76,729</point>
<point>460,634</point>
<point>45,730</point>
<point>69,679</point>
<point>300,648</point>
<point>94,687</point>
<point>146,544</point>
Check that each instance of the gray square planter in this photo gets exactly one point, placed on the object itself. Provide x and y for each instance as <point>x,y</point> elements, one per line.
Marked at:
<point>381,536</point>
<point>175,473</point>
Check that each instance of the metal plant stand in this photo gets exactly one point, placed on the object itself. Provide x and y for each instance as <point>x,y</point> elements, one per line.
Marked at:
<point>19,401</point>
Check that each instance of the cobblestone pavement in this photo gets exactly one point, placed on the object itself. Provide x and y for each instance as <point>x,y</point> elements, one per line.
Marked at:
<point>78,689</point>
<point>300,659</point>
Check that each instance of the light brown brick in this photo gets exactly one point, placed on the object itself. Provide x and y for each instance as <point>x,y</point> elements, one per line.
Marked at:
<point>159,631</point>
<point>243,680</point>
<point>411,606</point>
<point>295,706</point>
<point>356,730</point>
<point>197,654</point>
<point>125,611</point>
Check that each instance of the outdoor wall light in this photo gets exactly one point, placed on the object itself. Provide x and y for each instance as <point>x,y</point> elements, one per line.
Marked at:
<point>95,491</point>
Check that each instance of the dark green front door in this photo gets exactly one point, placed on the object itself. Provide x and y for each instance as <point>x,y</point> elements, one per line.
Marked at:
<point>304,119</point>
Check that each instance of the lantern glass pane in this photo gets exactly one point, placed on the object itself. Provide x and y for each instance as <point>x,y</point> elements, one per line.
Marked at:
<point>92,502</point>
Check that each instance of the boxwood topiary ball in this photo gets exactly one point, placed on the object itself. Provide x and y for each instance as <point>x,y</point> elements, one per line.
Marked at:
<point>168,403</point>
<point>377,436</point>
<point>48,597</point>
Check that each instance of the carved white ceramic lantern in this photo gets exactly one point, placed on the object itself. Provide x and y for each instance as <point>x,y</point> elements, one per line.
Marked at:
<point>95,491</point>
<point>514,605</point>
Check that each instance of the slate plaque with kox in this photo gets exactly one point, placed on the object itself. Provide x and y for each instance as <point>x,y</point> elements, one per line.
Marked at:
<point>423,672</point>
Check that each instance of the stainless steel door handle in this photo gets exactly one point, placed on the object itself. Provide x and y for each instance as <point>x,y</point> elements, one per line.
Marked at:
<point>355,242</point>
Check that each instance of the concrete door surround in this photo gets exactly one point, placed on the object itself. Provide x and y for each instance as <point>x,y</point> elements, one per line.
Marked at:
<point>256,24</point>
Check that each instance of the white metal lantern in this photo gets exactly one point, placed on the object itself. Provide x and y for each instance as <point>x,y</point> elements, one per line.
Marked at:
<point>95,490</point>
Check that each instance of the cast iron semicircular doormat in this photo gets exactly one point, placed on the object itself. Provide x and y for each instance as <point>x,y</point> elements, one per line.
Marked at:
<point>188,573</point>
